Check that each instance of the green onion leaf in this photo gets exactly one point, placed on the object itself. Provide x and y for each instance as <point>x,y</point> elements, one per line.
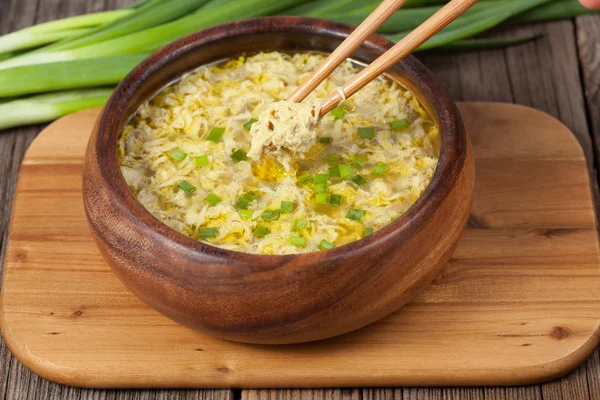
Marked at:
<point>248,125</point>
<point>321,178</point>
<point>339,112</point>
<point>299,225</point>
<point>178,155</point>
<point>187,187</point>
<point>359,162</point>
<point>261,231</point>
<point>325,245</point>
<point>380,168</point>
<point>334,172</point>
<point>213,199</point>
<point>325,140</point>
<point>367,231</point>
<point>321,187</point>
<point>400,124</point>
<point>242,203</point>
<point>335,200</point>
<point>246,214</point>
<point>201,161</point>
<point>322,198</point>
<point>208,232</point>
<point>345,171</point>
<point>215,134</point>
<point>366,133</point>
<point>333,159</point>
<point>355,214</point>
<point>359,180</point>
<point>305,178</point>
<point>298,241</point>
<point>287,207</point>
<point>271,215</point>
<point>239,155</point>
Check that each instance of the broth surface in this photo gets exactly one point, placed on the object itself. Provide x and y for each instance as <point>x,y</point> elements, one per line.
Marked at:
<point>183,156</point>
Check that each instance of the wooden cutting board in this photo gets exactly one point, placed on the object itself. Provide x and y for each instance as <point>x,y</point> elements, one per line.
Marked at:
<point>518,303</point>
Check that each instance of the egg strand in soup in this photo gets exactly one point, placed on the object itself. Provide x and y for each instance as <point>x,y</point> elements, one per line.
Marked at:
<point>184,157</point>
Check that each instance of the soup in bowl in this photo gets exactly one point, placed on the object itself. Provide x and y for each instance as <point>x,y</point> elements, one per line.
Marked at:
<point>295,244</point>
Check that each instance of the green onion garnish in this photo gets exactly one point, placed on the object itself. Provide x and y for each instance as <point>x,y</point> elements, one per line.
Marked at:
<point>187,187</point>
<point>359,162</point>
<point>380,168</point>
<point>322,198</point>
<point>298,241</point>
<point>248,125</point>
<point>299,225</point>
<point>321,178</point>
<point>247,214</point>
<point>242,203</point>
<point>261,231</point>
<point>178,155</point>
<point>212,199</point>
<point>366,133</point>
<point>246,199</point>
<point>335,200</point>
<point>339,112</point>
<point>333,159</point>
<point>215,134</point>
<point>345,171</point>
<point>201,161</point>
<point>334,172</point>
<point>251,195</point>
<point>325,140</point>
<point>239,155</point>
<point>321,187</point>
<point>400,124</point>
<point>325,245</point>
<point>359,180</point>
<point>305,178</point>
<point>287,207</point>
<point>271,215</point>
<point>367,231</point>
<point>355,214</point>
<point>208,232</point>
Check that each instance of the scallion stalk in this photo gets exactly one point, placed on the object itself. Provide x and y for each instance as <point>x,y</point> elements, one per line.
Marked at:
<point>484,44</point>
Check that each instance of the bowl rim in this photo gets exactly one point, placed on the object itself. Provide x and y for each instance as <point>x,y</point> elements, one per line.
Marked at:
<point>453,147</point>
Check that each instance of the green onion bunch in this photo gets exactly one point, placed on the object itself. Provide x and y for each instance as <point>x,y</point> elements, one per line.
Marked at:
<point>59,67</point>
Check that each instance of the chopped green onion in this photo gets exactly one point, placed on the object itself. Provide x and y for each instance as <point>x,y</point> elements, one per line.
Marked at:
<point>321,187</point>
<point>359,162</point>
<point>305,178</point>
<point>287,207</point>
<point>215,134</point>
<point>187,187</point>
<point>334,172</point>
<point>271,215</point>
<point>322,198</point>
<point>380,168</point>
<point>212,199</point>
<point>247,214</point>
<point>400,124</point>
<point>367,231</point>
<point>359,180</point>
<point>325,140</point>
<point>201,161</point>
<point>298,241</point>
<point>339,112</point>
<point>355,214</point>
<point>325,245</point>
<point>178,155</point>
<point>333,159</point>
<point>261,231</point>
<point>335,200</point>
<point>251,195</point>
<point>242,203</point>
<point>248,125</point>
<point>239,155</point>
<point>321,178</point>
<point>345,171</point>
<point>299,225</point>
<point>208,232</point>
<point>366,133</point>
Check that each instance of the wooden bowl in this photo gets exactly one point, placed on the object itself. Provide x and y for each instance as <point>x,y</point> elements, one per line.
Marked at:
<point>274,299</point>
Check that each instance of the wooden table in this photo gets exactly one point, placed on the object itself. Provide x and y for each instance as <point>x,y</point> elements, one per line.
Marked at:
<point>559,74</point>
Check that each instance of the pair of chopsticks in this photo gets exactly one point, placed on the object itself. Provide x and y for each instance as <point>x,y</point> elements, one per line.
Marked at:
<point>410,42</point>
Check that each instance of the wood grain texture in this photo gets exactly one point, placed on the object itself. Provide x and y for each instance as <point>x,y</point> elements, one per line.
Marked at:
<point>517,303</point>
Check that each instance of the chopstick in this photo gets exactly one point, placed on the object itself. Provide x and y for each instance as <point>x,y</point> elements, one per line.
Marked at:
<point>345,49</point>
<point>404,47</point>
